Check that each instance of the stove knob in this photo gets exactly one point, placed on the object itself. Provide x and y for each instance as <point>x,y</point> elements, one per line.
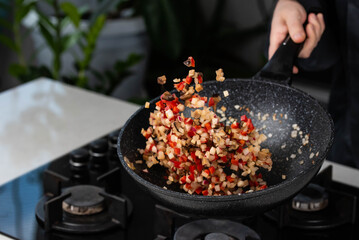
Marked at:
<point>112,141</point>
<point>98,148</point>
<point>98,152</point>
<point>113,138</point>
<point>79,158</point>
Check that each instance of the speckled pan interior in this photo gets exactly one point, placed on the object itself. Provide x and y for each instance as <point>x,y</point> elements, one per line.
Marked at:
<point>290,106</point>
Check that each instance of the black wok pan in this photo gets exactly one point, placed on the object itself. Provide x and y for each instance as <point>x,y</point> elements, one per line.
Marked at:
<point>267,92</point>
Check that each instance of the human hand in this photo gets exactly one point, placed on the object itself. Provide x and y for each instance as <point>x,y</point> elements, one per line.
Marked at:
<point>289,17</point>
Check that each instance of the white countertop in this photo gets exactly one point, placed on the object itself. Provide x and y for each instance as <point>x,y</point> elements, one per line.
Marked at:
<point>44,119</point>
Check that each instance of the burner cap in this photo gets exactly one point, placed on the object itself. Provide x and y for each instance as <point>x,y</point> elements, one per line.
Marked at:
<point>209,229</point>
<point>217,236</point>
<point>84,200</point>
<point>310,199</point>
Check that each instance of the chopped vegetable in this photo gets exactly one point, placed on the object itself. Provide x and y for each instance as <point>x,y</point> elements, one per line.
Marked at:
<point>189,62</point>
<point>220,75</point>
<point>199,152</point>
<point>161,80</point>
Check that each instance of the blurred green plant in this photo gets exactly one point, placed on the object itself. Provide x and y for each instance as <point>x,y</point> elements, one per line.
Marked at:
<point>52,29</point>
<point>120,70</point>
<point>179,29</point>
<point>109,78</point>
<point>12,27</point>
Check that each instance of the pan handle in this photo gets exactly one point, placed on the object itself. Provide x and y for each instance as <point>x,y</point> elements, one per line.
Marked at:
<point>279,68</point>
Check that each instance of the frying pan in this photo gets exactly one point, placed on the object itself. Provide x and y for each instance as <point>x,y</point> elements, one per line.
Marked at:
<point>268,92</point>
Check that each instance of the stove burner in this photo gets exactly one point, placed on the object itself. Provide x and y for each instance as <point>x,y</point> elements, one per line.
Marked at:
<point>310,199</point>
<point>319,206</point>
<point>210,229</point>
<point>84,200</point>
<point>217,236</point>
<point>70,212</point>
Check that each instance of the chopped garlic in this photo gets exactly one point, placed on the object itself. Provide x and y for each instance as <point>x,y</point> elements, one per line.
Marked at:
<point>294,134</point>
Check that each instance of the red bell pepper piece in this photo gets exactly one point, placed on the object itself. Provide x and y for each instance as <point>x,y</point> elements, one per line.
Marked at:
<point>192,61</point>
<point>244,133</point>
<point>200,78</point>
<point>229,179</point>
<point>188,80</point>
<point>180,86</point>
<point>188,121</point>
<point>183,158</point>
<point>192,168</point>
<point>177,164</point>
<point>234,162</point>
<point>177,151</point>
<point>175,110</point>
<point>194,157</point>
<point>199,167</point>
<point>182,180</point>
<point>160,104</point>
<point>250,125</point>
<point>211,169</point>
<point>191,177</point>
<point>205,192</point>
<point>172,144</point>
<point>211,102</point>
<point>191,133</point>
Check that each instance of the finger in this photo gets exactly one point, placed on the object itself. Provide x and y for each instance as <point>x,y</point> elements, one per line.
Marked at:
<point>295,70</point>
<point>295,25</point>
<point>310,43</point>
<point>317,26</point>
<point>321,21</point>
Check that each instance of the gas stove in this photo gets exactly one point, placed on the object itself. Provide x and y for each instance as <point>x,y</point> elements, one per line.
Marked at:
<point>86,194</point>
